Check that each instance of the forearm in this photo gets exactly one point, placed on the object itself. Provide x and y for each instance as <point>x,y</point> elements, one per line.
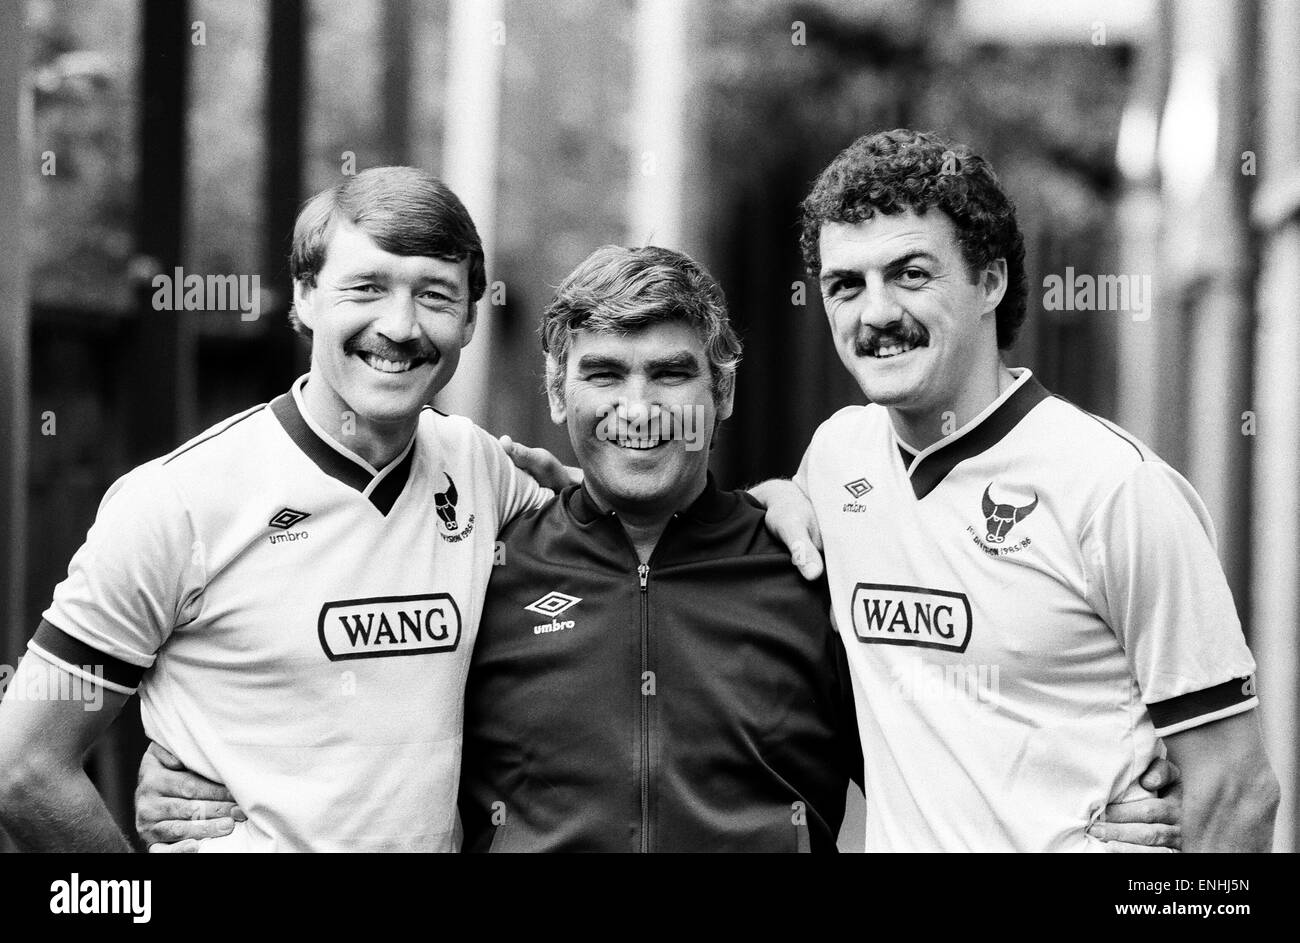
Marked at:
<point>1230,795</point>
<point>50,811</point>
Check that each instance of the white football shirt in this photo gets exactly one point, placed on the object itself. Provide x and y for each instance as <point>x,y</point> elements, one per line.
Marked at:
<point>1027,604</point>
<point>299,622</point>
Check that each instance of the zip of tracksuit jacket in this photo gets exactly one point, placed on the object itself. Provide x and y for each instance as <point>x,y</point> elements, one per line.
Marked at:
<point>698,702</point>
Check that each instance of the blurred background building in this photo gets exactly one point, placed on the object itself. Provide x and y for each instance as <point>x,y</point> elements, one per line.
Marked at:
<point>1155,139</point>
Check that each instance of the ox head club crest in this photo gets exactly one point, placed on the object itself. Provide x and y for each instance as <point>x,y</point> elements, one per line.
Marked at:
<point>444,502</point>
<point>1000,518</point>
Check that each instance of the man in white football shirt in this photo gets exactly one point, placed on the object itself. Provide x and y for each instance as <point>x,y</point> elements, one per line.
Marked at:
<point>1030,598</point>
<point>295,592</point>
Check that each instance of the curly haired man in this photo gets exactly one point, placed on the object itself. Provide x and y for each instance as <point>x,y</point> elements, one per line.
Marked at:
<point>1030,597</point>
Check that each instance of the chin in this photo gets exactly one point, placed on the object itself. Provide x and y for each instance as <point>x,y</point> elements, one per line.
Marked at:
<point>386,406</point>
<point>635,490</point>
<point>881,392</point>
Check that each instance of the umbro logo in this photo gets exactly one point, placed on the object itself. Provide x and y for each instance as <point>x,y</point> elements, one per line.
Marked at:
<point>283,519</point>
<point>286,518</point>
<point>857,487</point>
<point>552,604</point>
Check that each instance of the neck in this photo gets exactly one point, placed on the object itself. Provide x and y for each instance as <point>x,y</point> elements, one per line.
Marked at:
<point>924,426</point>
<point>378,443</point>
<point>645,525</point>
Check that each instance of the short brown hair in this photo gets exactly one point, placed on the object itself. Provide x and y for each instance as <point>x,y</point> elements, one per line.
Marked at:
<point>620,290</point>
<point>406,211</point>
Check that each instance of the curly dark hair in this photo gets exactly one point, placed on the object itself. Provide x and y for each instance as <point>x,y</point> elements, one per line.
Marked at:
<point>895,171</point>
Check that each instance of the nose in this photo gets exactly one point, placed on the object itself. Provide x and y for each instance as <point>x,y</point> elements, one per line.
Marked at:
<point>877,307</point>
<point>397,320</point>
<point>637,401</point>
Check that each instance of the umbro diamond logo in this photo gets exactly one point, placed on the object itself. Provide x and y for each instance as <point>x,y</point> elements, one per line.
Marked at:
<point>286,518</point>
<point>552,604</point>
<point>858,487</point>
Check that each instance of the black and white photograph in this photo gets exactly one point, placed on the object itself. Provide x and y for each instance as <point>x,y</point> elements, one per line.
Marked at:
<point>650,426</point>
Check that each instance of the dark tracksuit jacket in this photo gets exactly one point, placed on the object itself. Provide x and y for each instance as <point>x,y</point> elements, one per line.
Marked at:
<point>700,702</point>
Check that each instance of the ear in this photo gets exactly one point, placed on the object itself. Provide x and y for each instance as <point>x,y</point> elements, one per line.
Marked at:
<point>728,400</point>
<point>993,282</point>
<point>558,413</point>
<point>302,297</point>
<point>471,321</point>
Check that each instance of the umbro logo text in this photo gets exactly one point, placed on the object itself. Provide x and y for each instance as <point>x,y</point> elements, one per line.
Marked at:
<point>858,487</point>
<point>284,519</point>
<point>552,604</point>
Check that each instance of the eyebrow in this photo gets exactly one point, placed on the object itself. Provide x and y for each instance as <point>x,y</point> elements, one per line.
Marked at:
<point>452,287</point>
<point>679,360</point>
<point>598,362</point>
<point>424,281</point>
<point>832,274</point>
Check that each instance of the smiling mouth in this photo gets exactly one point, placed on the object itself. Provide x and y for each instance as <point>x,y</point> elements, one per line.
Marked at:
<point>894,349</point>
<point>640,445</point>
<point>890,345</point>
<point>384,365</point>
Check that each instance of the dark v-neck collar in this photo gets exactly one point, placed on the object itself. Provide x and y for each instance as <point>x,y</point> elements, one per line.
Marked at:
<point>381,486</point>
<point>929,466</point>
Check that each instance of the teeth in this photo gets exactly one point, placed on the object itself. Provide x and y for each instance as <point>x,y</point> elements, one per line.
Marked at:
<point>894,350</point>
<point>388,366</point>
<point>639,444</point>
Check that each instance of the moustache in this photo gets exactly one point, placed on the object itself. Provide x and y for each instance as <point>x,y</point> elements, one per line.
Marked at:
<point>378,347</point>
<point>870,340</point>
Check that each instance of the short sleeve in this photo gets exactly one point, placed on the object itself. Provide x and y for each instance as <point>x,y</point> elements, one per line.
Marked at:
<point>516,490</point>
<point>801,476</point>
<point>1155,578</point>
<point>137,577</point>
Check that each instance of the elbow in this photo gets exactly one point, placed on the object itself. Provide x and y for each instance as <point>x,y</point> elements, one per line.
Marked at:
<point>1255,800</point>
<point>23,779</point>
<point>1270,799</point>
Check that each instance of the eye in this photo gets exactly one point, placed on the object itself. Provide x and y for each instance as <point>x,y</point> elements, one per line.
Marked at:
<point>913,277</point>
<point>842,286</point>
<point>676,376</point>
<point>363,288</point>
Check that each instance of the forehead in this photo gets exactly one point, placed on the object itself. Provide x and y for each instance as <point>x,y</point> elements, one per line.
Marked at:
<point>350,250</point>
<point>882,238</point>
<point>665,339</point>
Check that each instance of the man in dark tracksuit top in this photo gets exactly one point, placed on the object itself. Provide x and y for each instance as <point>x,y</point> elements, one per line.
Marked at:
<point>699,702</point>
<point>650,673</point>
